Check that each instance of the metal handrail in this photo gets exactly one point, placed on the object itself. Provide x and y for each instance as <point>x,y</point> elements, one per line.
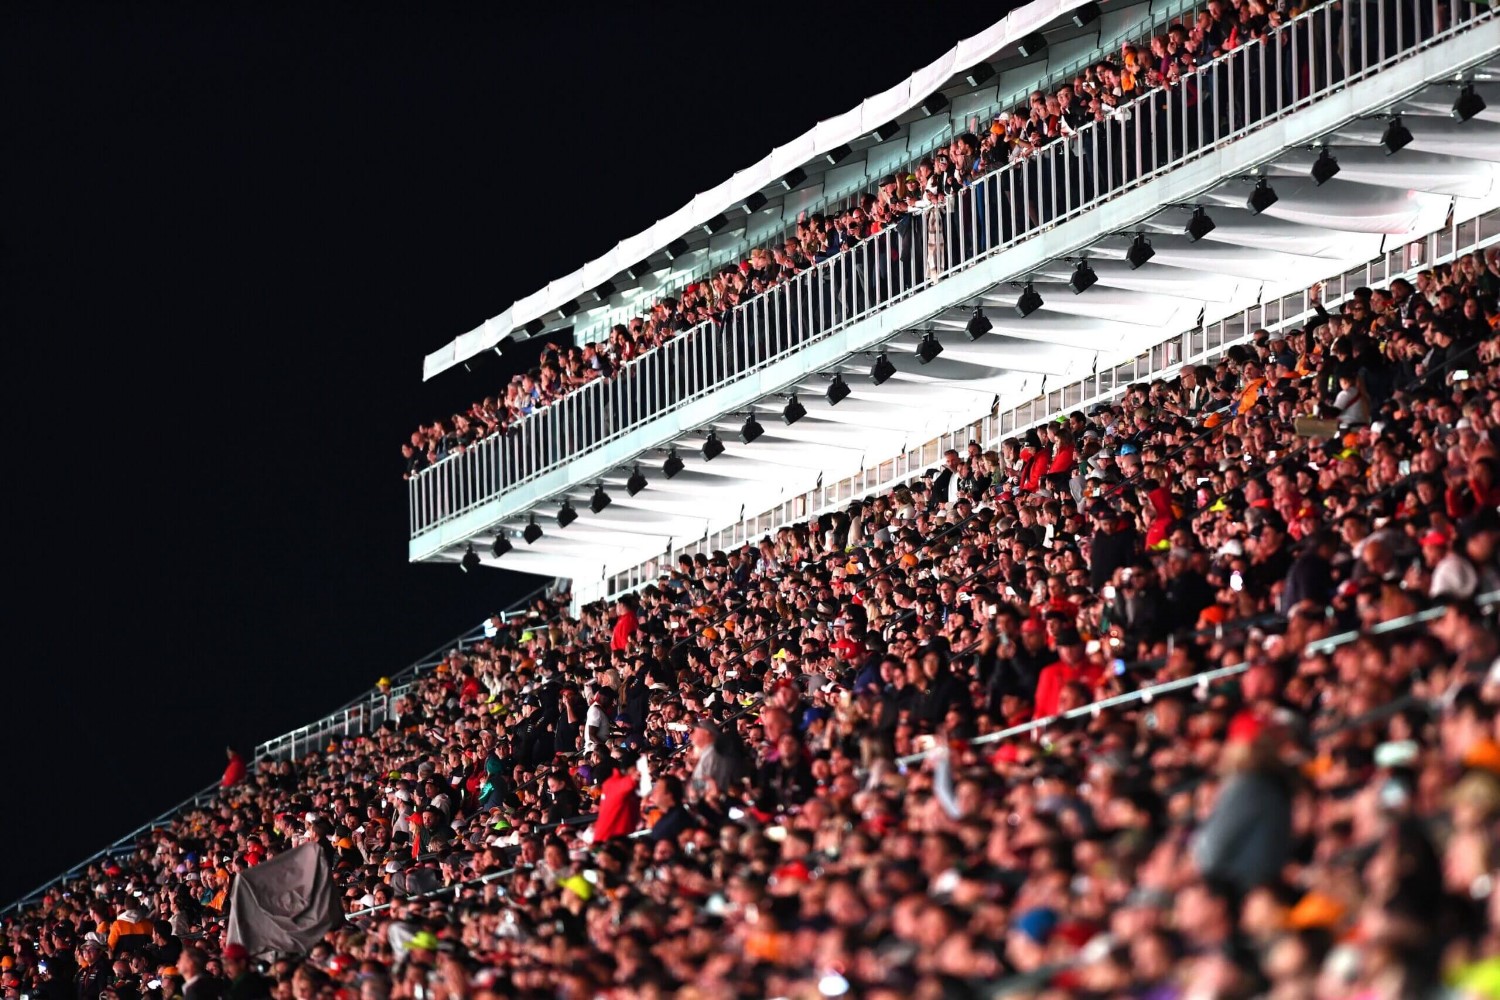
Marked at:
<point>843,198</point>
<point>370,704</point>
<point>1200,680</point>
<point>123,845</point>
<point>362,708</point>
<point>999,210</point>
<point>1191,348</point>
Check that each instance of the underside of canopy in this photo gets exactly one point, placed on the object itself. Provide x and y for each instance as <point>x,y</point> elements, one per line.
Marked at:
<point>1376,202</point>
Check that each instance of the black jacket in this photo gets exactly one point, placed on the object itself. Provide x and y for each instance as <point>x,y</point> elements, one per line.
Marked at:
<point>1109,552</point>
<point>250,986</point>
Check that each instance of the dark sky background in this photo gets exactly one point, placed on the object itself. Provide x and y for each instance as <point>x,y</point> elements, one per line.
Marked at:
<point>229,236</point>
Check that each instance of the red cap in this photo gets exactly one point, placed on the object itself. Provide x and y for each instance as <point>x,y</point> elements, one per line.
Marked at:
<point>1434,538</point>
<point>1245,727</point>
<point>1031,625</point>
<point>236,952</point>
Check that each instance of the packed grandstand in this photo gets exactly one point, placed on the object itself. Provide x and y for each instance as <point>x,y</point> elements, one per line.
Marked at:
<point>761,775</point>
<point>1191,693</point>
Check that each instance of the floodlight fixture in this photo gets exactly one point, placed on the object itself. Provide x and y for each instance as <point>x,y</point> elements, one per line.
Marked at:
<point>793,411</point>
<point>1083,277</point>
<point>470,561</point>
<point>1029,302</point>
<point>1200,225</point>
<point>929,347</point>
<point>1140,252</point>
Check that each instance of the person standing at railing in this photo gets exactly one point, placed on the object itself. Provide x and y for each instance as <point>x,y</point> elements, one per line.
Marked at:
<point>235,771</point>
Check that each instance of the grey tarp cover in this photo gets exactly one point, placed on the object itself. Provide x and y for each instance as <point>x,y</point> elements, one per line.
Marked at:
<point>286,904</point>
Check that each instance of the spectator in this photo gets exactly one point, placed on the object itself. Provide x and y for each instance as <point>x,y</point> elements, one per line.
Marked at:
<point>1247,837</point>
<point>234,771</point>
<point>197,982</point>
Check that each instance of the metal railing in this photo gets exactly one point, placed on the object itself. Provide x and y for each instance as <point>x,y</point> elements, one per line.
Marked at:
<point>1200,681</point>
<point>841,199</point>
<point>124,845</point>
<point>366,712</point>
<point>360,715</point>
<point>1324,49</point>
<point>1197,346</point>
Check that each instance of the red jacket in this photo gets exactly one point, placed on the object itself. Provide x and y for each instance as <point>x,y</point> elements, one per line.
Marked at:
<point>1462,502</point>
<point>1162,519</point>
<point>619,807</point>
<point>235,772</point>
<point>1050,682</point>
<point>1037,464</point>
<point>625,627</point>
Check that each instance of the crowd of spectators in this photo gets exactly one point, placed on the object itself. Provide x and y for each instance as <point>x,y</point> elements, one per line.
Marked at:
<point>906,199</point>
<point>758,776</point>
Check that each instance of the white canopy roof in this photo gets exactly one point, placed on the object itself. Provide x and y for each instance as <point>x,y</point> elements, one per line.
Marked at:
<point>822,138</point>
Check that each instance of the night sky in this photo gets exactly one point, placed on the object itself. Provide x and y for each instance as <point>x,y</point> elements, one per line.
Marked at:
<point>228,237</point>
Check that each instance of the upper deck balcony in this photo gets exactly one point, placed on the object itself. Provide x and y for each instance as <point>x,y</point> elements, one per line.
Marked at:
<point>1235,140</point>
<point>826,169</point>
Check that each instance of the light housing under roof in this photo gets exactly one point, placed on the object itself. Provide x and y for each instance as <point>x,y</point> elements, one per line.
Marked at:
<point>929,347</point>
<point>1140,252</point>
